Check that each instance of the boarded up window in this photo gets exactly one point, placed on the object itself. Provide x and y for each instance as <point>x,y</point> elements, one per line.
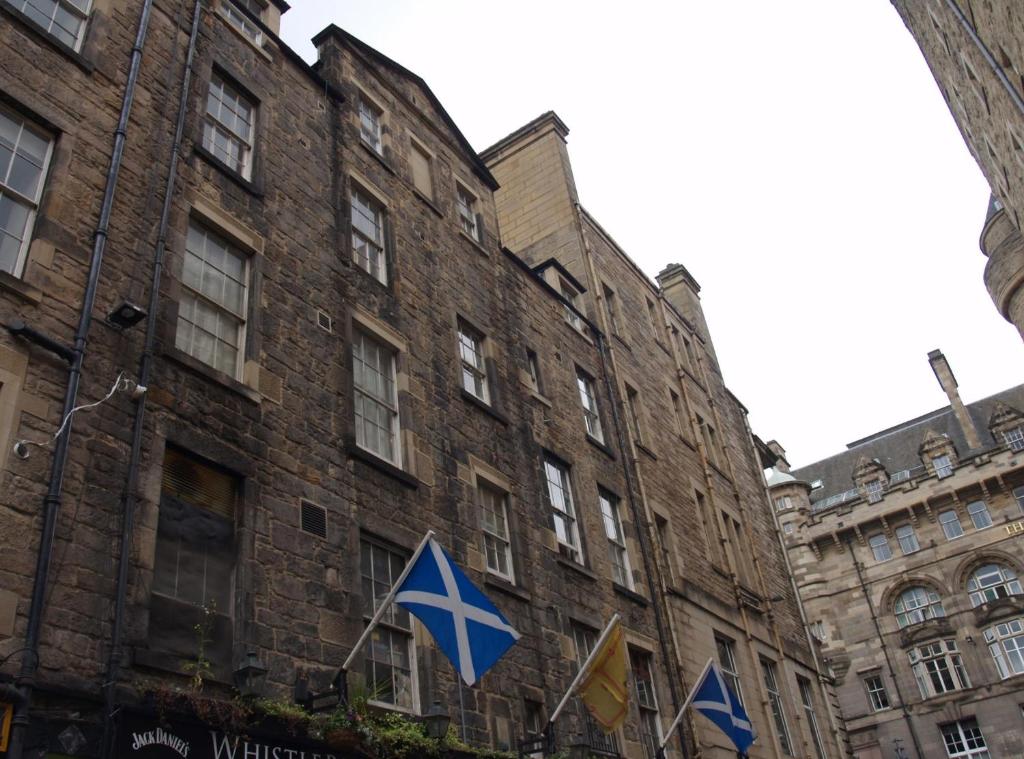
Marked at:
<point>421,178</point>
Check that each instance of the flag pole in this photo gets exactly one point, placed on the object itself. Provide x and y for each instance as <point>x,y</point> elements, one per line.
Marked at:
<point>689,700</point>
<point>387,601</point>
<point>583,669</point>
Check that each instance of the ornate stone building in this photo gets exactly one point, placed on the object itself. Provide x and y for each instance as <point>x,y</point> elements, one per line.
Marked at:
<point>906,552</point>
<point>976,53</point>
<point>308,335</point>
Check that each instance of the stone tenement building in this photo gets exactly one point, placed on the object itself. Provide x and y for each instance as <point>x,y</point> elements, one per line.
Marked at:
<point>339,351</point>
<point>906,549</point>
<point>975,50</point>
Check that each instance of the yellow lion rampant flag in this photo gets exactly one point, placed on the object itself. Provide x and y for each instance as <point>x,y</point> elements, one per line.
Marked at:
<point>605,689</point>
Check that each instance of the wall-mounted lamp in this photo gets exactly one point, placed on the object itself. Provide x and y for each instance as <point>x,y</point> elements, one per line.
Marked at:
<point>126,315</point>
<point>436,721</point>
<point>250,675</point>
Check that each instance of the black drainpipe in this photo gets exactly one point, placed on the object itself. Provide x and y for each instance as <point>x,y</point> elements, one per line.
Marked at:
<point>138,425</point>
<point>885,651</point>
<point>52,503</point>
<point>642,534</point>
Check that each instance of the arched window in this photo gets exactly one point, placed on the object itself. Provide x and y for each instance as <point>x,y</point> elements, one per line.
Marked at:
<point>916,605</point>
<point>991,582</point>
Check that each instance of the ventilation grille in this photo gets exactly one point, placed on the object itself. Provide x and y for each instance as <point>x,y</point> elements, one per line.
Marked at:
<point>314,519</point>
<point>323,321</point>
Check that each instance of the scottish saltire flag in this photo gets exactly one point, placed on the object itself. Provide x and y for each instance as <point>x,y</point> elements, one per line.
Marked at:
<point>466,625</point>
<point>713,699</point>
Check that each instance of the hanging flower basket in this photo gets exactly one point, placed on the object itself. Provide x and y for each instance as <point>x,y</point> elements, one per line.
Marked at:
<point>343,739</point>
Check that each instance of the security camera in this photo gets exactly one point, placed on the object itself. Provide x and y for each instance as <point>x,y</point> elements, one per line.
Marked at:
<point>21,449</point>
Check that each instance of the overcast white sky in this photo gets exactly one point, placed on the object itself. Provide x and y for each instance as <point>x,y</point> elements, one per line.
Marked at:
<point>796,157</point>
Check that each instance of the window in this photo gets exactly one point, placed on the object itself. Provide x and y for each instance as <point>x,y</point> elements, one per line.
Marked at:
<point>787,528</point>
<point>571,294</point>
<point>585,640</point>
<point>533,369</point>
<point>370,129</point>
<point>195,557</point>
<point>633,412</point>
<point>708,437</point>
<point>390,655</point>
<point>880,547</point>
<point>368,248</point>
<point>778,713</point>
<point>588,398</point>
<point>979,515</point>
<point>783,502</point>
<point>917,604</point>
<point>471,355</point>
<point>494,521</point>
<point>943,466</point>
<point>950,522</point>
<point>964,739</point>
<point>563,509</point>
<point>818,630</point>
<point>24,158</point>
<point>652,318</point>
<point>422,171</point>
<point>907,539</point>
<point>1014,438</point>
<point>534,723</point>
<point>1006,643</point>
<point>727,663</point>
<point>807,700</point>
<point>677,412</point>
<point>877,695</point>
<point>1018,494</point>
<point>232,10</point>
<point>661,528</point>
<point>647,702</point>
<point>212,311</point>
<point>617,553</point>
<point>611,307</point>
<point>228,127</point>
<point>691,358</point>
<point>62,19</point>
<point>875,490</point>
<point>376,400</point>
<point>992,582</point>
<point>938,668</point>
<point>465,204</point>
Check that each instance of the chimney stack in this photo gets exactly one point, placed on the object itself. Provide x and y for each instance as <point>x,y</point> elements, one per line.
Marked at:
<point>781,463</point>
<point>944,375</point>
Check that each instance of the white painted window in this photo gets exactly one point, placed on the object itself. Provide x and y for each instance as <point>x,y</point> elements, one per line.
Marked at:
<point>214,301</point>
<point>943,466</point>
<point>783,502</point>
<point>465,204</point>
<point>229,125</point>
<point>979,515</point>
<point>563,508</point>
<point>234,12</point>
<point>951,526</point>
<point>588,399</point>
<point>368,248</point>
<point>390,662</point>
<point>917,604</point>
<point>727,663</point>
<point>24,158</point>
<point>787,528</point>
<point>880,547</point>
<point>64,20</point>
<point>1018,495</point>
<point>376,399</point>
<point>877,695</point>
<point>964,740</point>
<point>875,490</point>
<point>472,363</point>
<point>617,553</point>
<point>494,523</point>
<point>992,582</point>
<point>370,125</point>
<point>807,701</point>
<point>938,668</point>
<point>585,640</point>
<point>778,713</point>
<point>572,295</point>
<point>647,702</point>
<point>907,539</point>
<point>1014,438</point>
<point>1006,644</point>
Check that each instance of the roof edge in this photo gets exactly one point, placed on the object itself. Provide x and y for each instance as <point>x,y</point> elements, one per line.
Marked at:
<point>530,126</point>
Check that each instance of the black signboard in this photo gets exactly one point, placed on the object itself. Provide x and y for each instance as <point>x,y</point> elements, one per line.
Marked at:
<point>148,736</point>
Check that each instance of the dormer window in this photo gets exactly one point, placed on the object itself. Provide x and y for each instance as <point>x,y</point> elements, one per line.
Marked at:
<point>1014,438</point>
<point>875,491</point>
<point>240,14</point>
<point>572,295</point>
<point>943,466</point>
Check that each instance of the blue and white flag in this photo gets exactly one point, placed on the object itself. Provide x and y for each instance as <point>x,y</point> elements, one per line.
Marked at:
<point>712,697</point>
<point>466,625</point>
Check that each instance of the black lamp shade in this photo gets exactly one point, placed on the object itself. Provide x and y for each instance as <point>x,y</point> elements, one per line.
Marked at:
<point>436,721</point>
<point>250,675</point>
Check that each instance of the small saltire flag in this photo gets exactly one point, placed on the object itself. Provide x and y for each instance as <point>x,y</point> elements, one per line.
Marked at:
<point>468,628</point>
<point>605,689</point>
<point>713,698</point>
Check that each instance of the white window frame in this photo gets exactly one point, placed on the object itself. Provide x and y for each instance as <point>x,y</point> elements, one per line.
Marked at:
<point>906,536</point>
<point>376,246</point>
<point>588,399</point>
<point>571,294</point>
<point>980,518</point>
<point>966,741</point>
<point>878,696</point>
<point>725,648</point>
<point>31,202</point>
<point>473,361</point>
<point>783,502</point>
<point>874,490</point>
<point>230,10</point>
<point>213,125</point>
<point>618,554</point>
<point>771,685</point>
<point>466,210</point>
<point>1013,438</point>
<point>360,338</point>
<point>190,291</point>
<point>80,10</point>
<point>1006,644</point>
<point>807,701</point>
<point>938,662</point>
<point>391,622</point>
<point>1018,495</point>
<point>916,605</point>
<point>371,123</point>
<point>877,542</point>
<point>948,519</point>
<point>563,507</point>
<point>943,466</point>
<point>649,728</point>
<point>1001,582</point>
<point>493,541</point>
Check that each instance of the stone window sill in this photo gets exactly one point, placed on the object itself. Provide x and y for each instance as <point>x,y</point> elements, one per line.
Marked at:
<point>385,467</point>
<point>632,595</point>
<point>474,242</point>
<point>168,662</point>
<point>428,202</point>
<point>485,407</point>
<point>77,58</point>
<point>505,586</point>
<point>196,366</point>
<point>378,157</point>
<point>20,287</point>
<point>641,447</point>
<point>601,446</point>
<point>578,568</point>
<point>249,186</point>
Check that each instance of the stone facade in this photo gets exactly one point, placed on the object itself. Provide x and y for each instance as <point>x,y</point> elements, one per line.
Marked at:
<point>976,53</point>
<point>905,549</point>
<point>345,354</point>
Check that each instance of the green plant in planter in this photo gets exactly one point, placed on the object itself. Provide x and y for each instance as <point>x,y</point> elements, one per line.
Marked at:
<point>201,667</point>
<point>397,737</point>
